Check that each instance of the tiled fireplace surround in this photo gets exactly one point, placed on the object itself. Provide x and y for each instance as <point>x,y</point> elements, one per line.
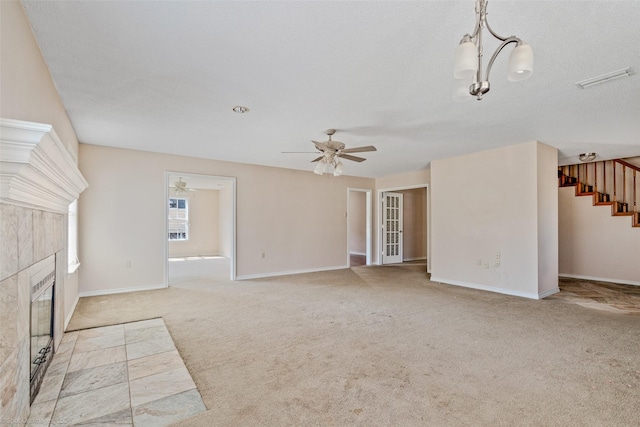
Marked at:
<point>28,236</point>
<point>38,180</point>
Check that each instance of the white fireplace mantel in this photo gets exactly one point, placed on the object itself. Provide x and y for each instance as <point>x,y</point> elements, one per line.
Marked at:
<point>36,169</point>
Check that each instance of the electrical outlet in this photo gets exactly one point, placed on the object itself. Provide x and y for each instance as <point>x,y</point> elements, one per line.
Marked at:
<point>498,255</point>
<point>128,264</point>
<point>497,264</point>
<point>263,255</point>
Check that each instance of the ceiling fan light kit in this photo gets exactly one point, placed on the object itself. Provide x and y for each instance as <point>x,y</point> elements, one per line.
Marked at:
<point>467,69</point>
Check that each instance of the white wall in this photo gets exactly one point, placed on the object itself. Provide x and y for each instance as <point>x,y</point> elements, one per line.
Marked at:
<point>203,226</point>
<point>496,201</point>
<point>295,217</point>
<point>594,244</point>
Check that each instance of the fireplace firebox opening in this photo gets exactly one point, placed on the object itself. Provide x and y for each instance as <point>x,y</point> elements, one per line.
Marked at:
<point>42,277</point>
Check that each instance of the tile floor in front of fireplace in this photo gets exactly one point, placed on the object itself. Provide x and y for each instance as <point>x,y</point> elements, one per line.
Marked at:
<point>128,374</point>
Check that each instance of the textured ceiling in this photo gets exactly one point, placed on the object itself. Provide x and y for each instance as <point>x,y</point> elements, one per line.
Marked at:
<point>164,76</point>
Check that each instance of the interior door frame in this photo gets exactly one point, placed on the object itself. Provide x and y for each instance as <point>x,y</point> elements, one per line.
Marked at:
<point>379,246</point>
<point>368,222</point>
<point>232,180</point>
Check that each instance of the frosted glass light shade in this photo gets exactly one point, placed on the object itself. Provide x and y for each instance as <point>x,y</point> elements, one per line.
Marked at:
<point>520,63</point>
<point>461,90</point>
<point>337,171</point>
<point>320,167</point>
<point>466,61</point>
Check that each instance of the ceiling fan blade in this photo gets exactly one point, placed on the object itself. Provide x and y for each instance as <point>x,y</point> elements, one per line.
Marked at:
<point>315,160</point>
<point>359,149</point>
<point>320,145</point>
<point>354,158</point>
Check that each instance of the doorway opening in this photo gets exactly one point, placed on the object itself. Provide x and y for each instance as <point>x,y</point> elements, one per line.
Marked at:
<point>200,229</point>
<point>403,225</point>
<point>359,227</point>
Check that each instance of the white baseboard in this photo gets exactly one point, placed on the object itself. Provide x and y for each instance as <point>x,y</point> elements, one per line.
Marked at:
<point>414,259</point>
<point>120,290</point>
<point>358,253</point>
<point>287,273</point>
<point>497,290</point>
<point>600,279</point>
<point>73,309</point>
<point>549,293</point>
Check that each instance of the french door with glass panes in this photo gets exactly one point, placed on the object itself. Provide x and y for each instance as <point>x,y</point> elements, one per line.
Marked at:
<point>391,228</point>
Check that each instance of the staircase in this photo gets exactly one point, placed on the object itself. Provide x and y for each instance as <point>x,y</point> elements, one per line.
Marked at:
<point>609,182</point>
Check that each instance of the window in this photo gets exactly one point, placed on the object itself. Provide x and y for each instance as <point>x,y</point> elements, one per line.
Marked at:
<point>72,236</point>
<point>178,219</point>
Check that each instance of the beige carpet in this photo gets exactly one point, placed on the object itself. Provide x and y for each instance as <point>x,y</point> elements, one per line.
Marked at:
<point>383,346</point>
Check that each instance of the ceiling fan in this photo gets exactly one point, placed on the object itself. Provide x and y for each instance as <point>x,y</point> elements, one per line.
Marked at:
<point>332,151</point>
<point>181,187</point>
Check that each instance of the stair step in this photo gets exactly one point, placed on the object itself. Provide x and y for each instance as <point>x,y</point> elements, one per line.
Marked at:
<point>621,208</point>
<point>584,189</point>
<point>567,181</point>
<point>602,199</point>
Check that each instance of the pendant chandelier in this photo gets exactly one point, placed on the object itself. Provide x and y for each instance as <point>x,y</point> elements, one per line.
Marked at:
<point>467,70</point>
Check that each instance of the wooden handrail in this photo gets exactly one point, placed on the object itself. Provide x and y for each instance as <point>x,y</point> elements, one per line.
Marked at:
<point>627,164</point>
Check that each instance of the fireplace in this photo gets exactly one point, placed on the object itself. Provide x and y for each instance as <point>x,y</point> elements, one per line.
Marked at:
<point>42,278</point>
<point>40,179</point>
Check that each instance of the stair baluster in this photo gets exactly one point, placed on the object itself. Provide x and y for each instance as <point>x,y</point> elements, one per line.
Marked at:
<point>615,200</point>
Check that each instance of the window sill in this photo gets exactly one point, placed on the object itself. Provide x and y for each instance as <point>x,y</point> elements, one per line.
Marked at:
<point>73,268</point>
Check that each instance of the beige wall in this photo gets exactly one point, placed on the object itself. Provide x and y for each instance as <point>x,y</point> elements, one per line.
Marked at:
<point>295,217</point>
<point>547,213</point>
<point>594,244</point>
<point>496,201</point>
<point>28,93</point>
<point>203,226</point>
<point>357,222</point>
<point>414,224</point>
<point>225,221</point>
